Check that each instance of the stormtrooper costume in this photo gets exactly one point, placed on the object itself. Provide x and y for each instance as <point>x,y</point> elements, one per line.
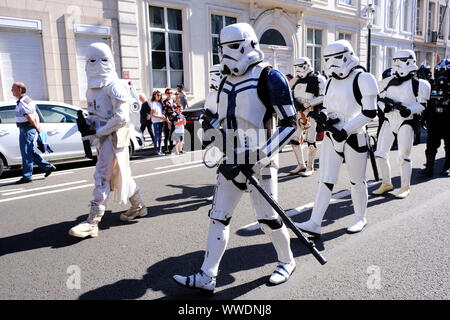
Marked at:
<point>108,107</point>
<point>250,93</point>
<point>349,111</point>
<point>401,88</point>
<point>306,86</point>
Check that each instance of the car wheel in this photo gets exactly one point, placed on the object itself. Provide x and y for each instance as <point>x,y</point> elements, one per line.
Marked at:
<point>2,166</point>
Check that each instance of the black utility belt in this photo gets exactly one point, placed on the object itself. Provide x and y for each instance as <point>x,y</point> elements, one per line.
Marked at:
<point>23,124</point>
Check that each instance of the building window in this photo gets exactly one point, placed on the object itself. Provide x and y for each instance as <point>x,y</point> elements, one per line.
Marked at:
<point>166,32</point>
<point>430,19</point>
<point>391,13</point>
<point>314,48</point>
<point>377,13</point>
<point>349,2</point>
<point>418,57</point>
<point>429,59</point>
<point>441,21</point>
<point>217,23</point>
<point>345,36</point>
<point>406,16</point>
<point>389,56</point>
<point>374,61</point>
<point>419,18</point>
<point>273,37</point>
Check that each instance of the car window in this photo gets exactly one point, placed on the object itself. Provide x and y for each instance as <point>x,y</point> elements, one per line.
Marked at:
<point>7,114</point>
<point>57,114</point>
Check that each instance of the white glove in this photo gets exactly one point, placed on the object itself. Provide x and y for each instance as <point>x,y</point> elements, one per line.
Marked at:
<point>93,139</point>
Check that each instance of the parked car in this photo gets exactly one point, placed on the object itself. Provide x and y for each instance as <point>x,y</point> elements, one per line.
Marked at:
<point>59,121</point>
<point>193,115</point>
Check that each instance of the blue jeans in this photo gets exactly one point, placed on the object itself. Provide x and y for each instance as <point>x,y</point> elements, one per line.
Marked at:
<point>29,156</point>
<point>157,128</point>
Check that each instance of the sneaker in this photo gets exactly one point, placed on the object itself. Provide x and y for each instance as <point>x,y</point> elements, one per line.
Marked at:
<point>357,225</point>
<point>384,187</point>
<point>309,227</point>
<point>197,281</point>
<point>23,180</point>
<point>307,173</point>
<point>282,272</point>
<point>403,192</point>
<point>298,169</point>
<point>49,171</point>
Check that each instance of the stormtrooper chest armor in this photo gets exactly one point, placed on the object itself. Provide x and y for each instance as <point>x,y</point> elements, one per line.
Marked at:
<point>239,105</point>
<point>340,101</point>
<point>99,103</point>
<point>403,93</point>
<point>301,92</point>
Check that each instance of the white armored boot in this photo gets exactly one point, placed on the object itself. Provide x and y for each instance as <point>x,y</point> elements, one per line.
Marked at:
<point>90,226</point>
<point>359,199</point>
<point>286,262</point>
<point>311,156</point>
<point>314,225</point>
<point>205,279</point>
<point>406,169</point>
<point>300,161</point>
<point>138,208</point>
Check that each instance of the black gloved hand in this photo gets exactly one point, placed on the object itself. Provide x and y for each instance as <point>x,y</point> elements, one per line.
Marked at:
<point>388,108</point>
<point>340,136</point>
<point>321,116</point>
<point>229,171</point>
<point>405,112</point>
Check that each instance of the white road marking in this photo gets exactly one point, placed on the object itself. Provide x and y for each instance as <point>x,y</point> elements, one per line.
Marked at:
<point>41,188</point>
<point>35,177</point>
<point>91,184</point>
<point>179,164</point>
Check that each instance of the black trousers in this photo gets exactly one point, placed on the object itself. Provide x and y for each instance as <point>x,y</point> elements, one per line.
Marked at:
<point>148,125</point>
<point>438,129</point>
<point>168,143</point>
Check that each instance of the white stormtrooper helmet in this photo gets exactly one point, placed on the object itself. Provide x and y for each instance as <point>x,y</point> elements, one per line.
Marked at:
<point>340,59</point>
<point>238,49</point>
<point>303,67</point>
<point>404,63</point>
<point>100,67</point>
<point>215,77</point>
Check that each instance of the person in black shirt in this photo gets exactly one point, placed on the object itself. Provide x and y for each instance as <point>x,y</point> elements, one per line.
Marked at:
<point>146,119</point>
<point>169,111</point>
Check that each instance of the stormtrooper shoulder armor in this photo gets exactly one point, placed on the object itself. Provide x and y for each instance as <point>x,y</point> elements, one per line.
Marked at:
<point>424,91</point>
<point>278,86</point>
<point>367,84</point>
<point>117,90</point>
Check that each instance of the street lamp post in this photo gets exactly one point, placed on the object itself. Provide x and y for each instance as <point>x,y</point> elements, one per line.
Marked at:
<point>369,14</point>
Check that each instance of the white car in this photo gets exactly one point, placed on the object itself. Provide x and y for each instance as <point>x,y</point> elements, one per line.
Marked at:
<point>59,121</point>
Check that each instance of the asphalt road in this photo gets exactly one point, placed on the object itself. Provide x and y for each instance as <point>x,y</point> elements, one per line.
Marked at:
<point>403,252</point>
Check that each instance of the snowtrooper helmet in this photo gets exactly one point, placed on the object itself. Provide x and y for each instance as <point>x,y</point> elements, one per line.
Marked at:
<point>100,67</point>
<point>238,49</point>
<point>340,59</point>
<point>404,63</point>
<point>215,77</point>
<point>302,67</point>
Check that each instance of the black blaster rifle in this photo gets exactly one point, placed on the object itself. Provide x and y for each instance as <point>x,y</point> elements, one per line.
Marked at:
<point>85,130</point>
<point>392,103</point>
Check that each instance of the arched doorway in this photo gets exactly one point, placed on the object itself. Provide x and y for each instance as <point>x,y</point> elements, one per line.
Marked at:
<point>276,51</point>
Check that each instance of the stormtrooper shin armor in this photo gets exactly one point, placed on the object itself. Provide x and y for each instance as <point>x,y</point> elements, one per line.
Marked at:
<point>400,89</point>
<point>340,103</point>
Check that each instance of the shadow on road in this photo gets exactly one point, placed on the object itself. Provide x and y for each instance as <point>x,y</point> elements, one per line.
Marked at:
<point>159,276</point>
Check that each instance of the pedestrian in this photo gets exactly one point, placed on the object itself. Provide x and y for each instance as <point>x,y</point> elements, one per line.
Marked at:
<point>158,120</point>
<point>179,122</point>
<point>289,77</point>
<point>169,112</point>
<point>109,113</point>
<point>242,110</point>
<point>27,121</point>
<point>182,96</point>
<point>146,118</point>
<point>401,99</point>
<point>350,101</point>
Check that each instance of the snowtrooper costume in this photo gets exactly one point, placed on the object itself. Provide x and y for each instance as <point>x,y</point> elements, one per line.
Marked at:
<point>349,112</point>
<point>250,93</point>
<point>412,94</point>
<point>306,86</point>
<point>108,108</point>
